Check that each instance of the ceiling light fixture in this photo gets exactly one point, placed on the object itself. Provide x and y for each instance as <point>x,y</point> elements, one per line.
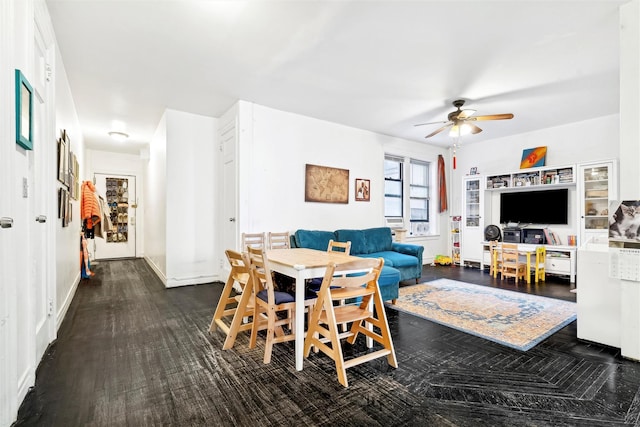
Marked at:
<point>118,136</point>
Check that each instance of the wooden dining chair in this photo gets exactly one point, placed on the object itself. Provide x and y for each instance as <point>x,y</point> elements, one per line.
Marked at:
<point>279,240</point>
<point>232,311</point>
<point>254,240</point>
<point>541,258</point>
<point>496,259</point>
<point>367,318</point>
<point>512,266</point>
<point>273,310</point>
<point>339,247</point>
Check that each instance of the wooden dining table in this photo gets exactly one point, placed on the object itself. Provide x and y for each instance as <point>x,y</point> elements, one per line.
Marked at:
<point>302,264</point>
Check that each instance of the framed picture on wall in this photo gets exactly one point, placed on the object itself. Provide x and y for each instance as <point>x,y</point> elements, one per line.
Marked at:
<point>363,190</point>
<point>325,184</point>
<point>24,112</point>
<point>61,161</point>
<point>67,147</point>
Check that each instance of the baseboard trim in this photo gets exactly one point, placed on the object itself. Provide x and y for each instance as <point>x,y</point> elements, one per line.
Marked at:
<point>156,270</point>
<point>67,302</point>
<point>26,381</point>
<point>174,283</point>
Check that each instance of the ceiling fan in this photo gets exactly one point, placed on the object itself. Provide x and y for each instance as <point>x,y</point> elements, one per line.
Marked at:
<point>459,121</point>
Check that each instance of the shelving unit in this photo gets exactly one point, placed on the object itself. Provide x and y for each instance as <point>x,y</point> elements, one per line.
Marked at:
<point>597,188</point>
<point>534,177</point>
<point>472,224</point>
<point>455,239</point>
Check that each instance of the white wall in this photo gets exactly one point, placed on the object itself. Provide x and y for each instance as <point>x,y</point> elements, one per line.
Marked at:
<point>570,144</point>
<point>191,198</point>
<point>67,238</point>
<point>155,201</point>
<point>274,149</point>
<point>180,198</point>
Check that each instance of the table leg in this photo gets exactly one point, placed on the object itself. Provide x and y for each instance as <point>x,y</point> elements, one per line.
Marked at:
<point>528,267</point>
<point>299,321</point>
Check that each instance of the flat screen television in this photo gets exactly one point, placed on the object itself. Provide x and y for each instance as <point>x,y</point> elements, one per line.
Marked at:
<point>535,207</point>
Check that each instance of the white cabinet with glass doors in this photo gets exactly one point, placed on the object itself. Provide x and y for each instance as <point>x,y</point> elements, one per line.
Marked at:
<point>472,220</point>
<point>597,187</point>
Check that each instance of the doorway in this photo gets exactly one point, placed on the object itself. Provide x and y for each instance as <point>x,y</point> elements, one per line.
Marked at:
<point>118,240</point>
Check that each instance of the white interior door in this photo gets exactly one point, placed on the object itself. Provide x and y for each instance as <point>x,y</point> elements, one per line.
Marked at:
<point>40,212</point>
<point>229,188</point>
<point>119,191</point>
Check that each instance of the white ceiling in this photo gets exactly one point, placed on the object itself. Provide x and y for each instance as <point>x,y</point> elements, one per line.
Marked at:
<point>377,65</point>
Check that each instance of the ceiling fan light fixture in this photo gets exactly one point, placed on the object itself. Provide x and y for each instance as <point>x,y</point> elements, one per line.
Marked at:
<point>118,136</point>
<point>460,130</point>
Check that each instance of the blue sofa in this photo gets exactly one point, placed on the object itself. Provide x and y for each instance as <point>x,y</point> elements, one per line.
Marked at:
<point>401,261</point>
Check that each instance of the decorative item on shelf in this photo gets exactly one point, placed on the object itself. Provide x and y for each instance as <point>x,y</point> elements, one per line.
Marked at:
<point>533,157</point>
<point>473,171</point>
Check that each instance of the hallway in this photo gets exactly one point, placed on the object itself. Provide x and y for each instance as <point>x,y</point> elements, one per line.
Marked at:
<point>131,352</point>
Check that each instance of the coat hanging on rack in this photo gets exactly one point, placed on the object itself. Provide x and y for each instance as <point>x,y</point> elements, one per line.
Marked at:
<point>89,207</point>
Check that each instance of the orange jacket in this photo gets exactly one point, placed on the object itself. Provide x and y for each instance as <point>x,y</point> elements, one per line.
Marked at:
<point>89,208</point>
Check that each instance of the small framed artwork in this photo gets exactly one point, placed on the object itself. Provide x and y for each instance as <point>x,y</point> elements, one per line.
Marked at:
<point>61,162</point>
<point>473,171</point>
<point>363,190</point>
<point>67,175</point>
<point>24,112</point>
<point>533,157</point>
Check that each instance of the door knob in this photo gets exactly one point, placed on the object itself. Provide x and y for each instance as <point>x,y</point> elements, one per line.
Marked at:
<point>6,222</point>
<point>41,218</point>
<point>232,219</point>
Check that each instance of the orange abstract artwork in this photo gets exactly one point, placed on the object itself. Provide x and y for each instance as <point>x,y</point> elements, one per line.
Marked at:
<point>533,157</point>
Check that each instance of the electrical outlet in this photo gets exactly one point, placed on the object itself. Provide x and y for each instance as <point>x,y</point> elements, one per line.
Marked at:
<point>50,307</point>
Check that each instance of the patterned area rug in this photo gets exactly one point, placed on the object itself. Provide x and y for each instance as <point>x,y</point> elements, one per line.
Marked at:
<point>513,319</point>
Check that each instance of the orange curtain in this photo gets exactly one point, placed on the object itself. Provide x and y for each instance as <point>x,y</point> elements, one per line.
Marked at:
<point>442,184</point>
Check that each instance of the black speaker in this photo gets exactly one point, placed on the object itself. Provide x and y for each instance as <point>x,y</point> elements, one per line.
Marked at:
<point>492,232</point>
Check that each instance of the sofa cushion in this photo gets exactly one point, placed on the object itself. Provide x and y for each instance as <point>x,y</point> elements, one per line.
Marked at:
<point>378,239</point>
<point>314,239</point>
<point>357,239</point>
<point>394,259</point>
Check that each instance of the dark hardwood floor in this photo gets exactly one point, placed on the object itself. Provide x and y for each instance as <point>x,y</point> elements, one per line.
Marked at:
<point>131,353</point>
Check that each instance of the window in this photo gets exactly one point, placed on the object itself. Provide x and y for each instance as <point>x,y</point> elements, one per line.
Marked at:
<point>419,191</point>
<point>415,183</point>
<point>393,187</point>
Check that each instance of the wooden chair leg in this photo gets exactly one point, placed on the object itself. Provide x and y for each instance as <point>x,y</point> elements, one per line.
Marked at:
<point>222,303</point>
<point>268,347</point>
<point>237,322</point>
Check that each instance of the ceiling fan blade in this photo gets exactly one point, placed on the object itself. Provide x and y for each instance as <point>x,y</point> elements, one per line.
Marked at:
<point>430,123</point>
<point>437,131</point>
<point>466,114</point>
<point>474,129</point>
<point>492,117</point>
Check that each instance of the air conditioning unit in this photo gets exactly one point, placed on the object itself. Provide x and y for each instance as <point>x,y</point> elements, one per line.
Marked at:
<point>395,223</point>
